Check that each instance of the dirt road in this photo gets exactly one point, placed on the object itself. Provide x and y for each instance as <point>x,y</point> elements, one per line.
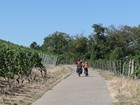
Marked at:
<point>75,90</point>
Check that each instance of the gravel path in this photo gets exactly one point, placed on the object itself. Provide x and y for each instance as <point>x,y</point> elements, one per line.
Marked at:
<point>75,90</point>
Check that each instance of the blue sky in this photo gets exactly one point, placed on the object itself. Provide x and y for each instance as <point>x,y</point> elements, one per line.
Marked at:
<point>25,21</point>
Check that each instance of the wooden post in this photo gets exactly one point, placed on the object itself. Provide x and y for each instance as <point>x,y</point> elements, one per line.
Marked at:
<point>123,69</point>
<point>120,67</point>
<point>132,68</point>
<point>129,68</point>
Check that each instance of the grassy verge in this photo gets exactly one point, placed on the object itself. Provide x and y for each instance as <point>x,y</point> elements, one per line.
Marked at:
<point>124,91</point>
<point>28,93</point>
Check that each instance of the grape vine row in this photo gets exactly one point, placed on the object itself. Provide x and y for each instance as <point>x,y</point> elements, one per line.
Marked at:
<point>15,60</point>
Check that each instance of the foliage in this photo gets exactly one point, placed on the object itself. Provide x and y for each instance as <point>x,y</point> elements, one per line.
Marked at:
<point>35,46</point>
<point>97,44</point>
<point>56,43</point>
<point>106,43</point>
<point>117,54</point>
<point>16,60</point>
<point>137,72</point>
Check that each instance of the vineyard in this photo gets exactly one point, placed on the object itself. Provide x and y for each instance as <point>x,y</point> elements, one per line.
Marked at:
<point>20,68</point>
<point>19,61</point>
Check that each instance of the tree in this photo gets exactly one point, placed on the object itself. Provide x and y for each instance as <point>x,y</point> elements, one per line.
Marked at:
<point>117,54</point>
<point>56,43</point>
<point>34,45</point>
<point>123,37</point>
<point>81,45</point>
<point>97,42</point>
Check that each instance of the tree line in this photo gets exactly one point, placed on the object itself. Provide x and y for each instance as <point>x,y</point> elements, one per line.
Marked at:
<point>104,43</point>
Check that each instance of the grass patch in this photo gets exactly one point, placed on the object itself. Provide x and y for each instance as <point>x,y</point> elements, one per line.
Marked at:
<point>106,74</point>
<point>124,90</point>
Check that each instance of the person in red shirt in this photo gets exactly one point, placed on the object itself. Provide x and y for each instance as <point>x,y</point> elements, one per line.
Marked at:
<point>86,68</point>
<point>79,67</point>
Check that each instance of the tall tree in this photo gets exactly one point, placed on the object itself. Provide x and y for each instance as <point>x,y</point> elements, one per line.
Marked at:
<point>81,46</point>
<point>56,43</point>
<point>97,42</point>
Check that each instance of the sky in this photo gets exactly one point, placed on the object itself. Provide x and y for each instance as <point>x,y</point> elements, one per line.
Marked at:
<point>25,21</point>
